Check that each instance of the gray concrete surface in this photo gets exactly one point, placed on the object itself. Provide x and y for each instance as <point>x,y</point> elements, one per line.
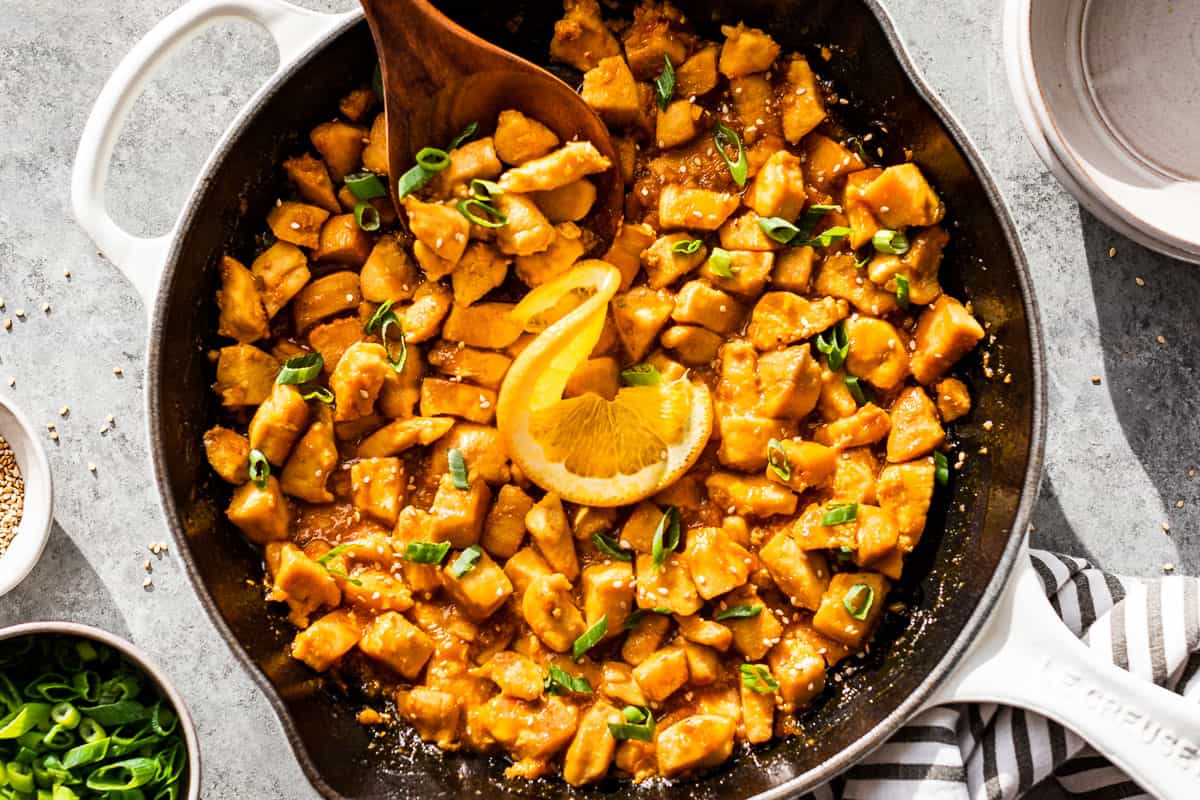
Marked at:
<point>1118,452</point>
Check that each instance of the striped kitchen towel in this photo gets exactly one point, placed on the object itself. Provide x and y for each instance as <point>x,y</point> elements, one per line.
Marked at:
<point>990,752</point>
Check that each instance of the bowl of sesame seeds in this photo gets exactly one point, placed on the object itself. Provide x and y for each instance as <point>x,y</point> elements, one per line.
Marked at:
<point>26,498</point>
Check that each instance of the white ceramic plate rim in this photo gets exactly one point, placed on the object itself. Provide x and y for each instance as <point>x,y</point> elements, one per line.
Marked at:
<point>37,517</point>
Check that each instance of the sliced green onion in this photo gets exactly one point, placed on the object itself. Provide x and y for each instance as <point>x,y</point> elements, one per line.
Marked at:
<point>414,179</point>
<point>813,215</point>
<point>687,246</point>
<point>845,553</point>
<point>757,678</point>
<point>861,263</point>
<point>163,720</point>
<point>664,84</point>
<point>778,229</point>
<point>725,137</point>
<point>366,216</point>
<point>857,390</point>
<point>66,715</point>
<point>58,738</point>
<point>268,237</point>
<point>891,242</point>
<point>638,725</point>
<point>24,719</point>
<point>740,612</point>
<point>90,730</point>
<point>433,159</point>
<point>301,368</point>
<point>721,262</point>
<point>493,219</point>
<point>365,185</point>
<point>641,375</point>
<point>777,460</point>
<point>466,133</point>
<point>859,599</point>
<point>260,468</point>
<point>466,561</point>
<point>338,573</point>
<point>857,143</point>
<point>902,291</point>
<point>827,237</point>
<point>484,190</point>
<point>666,537</point>
<point>20,777</point>
<point>334,552</point>
<point>840,514</point>
<point>610,547</point>
<point>87,753</point>
<point>590,638</point>
<point>380,322</point>
<point>426,552</point>
<point>559,681</point>
<point>836,347</point>
<point>458,469</point>
<point>123,775</point>
<point>121,712</point>
<point>941,469</point>
<point>319,393</point>
<point>376,321</point>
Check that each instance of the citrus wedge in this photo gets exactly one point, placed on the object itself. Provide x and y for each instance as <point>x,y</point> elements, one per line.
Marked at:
<point>588,449</point>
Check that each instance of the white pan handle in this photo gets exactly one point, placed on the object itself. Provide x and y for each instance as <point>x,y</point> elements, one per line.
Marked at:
<point>141,259</point>
<point>1026,657</point>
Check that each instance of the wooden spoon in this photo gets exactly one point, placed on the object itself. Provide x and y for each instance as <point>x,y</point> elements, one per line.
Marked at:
<point>438,78</point>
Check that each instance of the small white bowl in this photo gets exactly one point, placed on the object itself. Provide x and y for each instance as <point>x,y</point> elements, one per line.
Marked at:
<point>38,514</point>
<point>1108,92</point>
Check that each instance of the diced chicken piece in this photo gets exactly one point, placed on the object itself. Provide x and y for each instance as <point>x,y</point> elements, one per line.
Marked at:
<point>300,582</point>
<point>668,586</point>
<point>878,541</point>
<point>638,531</point>
<point>525,565</point>
<point>618,684</point>
<point>749,495</point>
<point>581,38</point>
<point>589,520</point>
<point>610,90</point>
<point>877,352</point>
<point>332,339</point>
<point>378,488</point>
<point>312,461</point>
<point>665,265</point>
<point>866,593</point>
<point>637,759</point>
<point>355,104</point>
<point>694,743</point>
<point>245,375</point>
<point>826,161</point>
<point>790,381</point>
<point>698,74</point>
<point>607,591</point>
<point>321,644</point>
<point>481,590</point>
<point>343,241</point>
<point>746,50</point>
<point>482,367</point>
<point>481,269</point>
<point>946,332</point>
<point>414,525</point>
<point>836,400</point>
<point>738,385</point>
<point>551,533</point>
<point>695,346</point>
<point>717,563</point>
<point>566,248</point>
<point>811,534</point>
<point>450,398</point>
<point>626,250</point>
<point>639,315</point>
<point>901,197</point>
<point>520,138</point>
<point>481,447</point>
<point>597,376</point>
<point>670,369</point>
<point>278,422</point>
<point>357,379</point>
<point>802,575</point>
<point>919,266</point>
<point>374,155</point>
<point>341,145</point>
<point>487,325</point>
<point>592,750</point>
<point>312,182</point>
<point>475,159</point>
<point>697,303</point>
<point>800,670</point>
<point>374,591</point>
<point>905,491</point>
<point>758,714</point>
<point>866,426</point>
<point>750,272</point>
<point>854,480</point>
<point>803,105</point>
<point>242,314</point>
<point>859,217</point>
<point>678,124</point>
<point>569,203</point>
<point>504,528</point>
<point>753,636</point>
<point>297,223</point>
<point>778,189</point>
<point>457,515</point>
<point>422,319</point>
<point>263,515</point>
<point>662,673</point>
<point>830,650</point>
<point>327,296</point>
<point>916,430</point>
<point>567,164</point>
<point>399,644</point>
<point>434,714</point>
<point>953,399</point>
<point>440,228</point>
<point>516,675</point>
<point>551,613</point>
<point>793,269</point>
<point>742,232</point>
<point>282,270</point>
<point>654,34</point>
<point>705,632</point>
<point>645,638</point>
<point>228,454</point>
<point>695,209</point>
<point>396,437</point>
<point>434,266</point>
<point>533,734</point>
<point>527,230</point>
<point>810,465</point>
<point>780,318</point>
<point>744,439</point>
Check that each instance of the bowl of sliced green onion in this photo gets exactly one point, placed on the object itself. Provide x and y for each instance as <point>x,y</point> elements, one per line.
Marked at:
<point>84,714</point>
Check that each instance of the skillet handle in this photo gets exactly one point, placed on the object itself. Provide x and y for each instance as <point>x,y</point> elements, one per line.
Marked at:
<point>1026,657</point>
<point>142,259</point>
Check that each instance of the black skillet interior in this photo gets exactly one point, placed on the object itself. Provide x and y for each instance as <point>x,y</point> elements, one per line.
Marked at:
<point>965,542</point>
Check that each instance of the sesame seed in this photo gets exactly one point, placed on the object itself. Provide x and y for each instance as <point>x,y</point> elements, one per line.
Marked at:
<point>295,226</point>
<point>1096,380</point>
<point>1168,567</point>
<point>1161,339</point>
<point>118,371</point>
<point>91,466</point>
<point>1140,281</point>
<point>1112,252</point>
<point>146,584</point>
